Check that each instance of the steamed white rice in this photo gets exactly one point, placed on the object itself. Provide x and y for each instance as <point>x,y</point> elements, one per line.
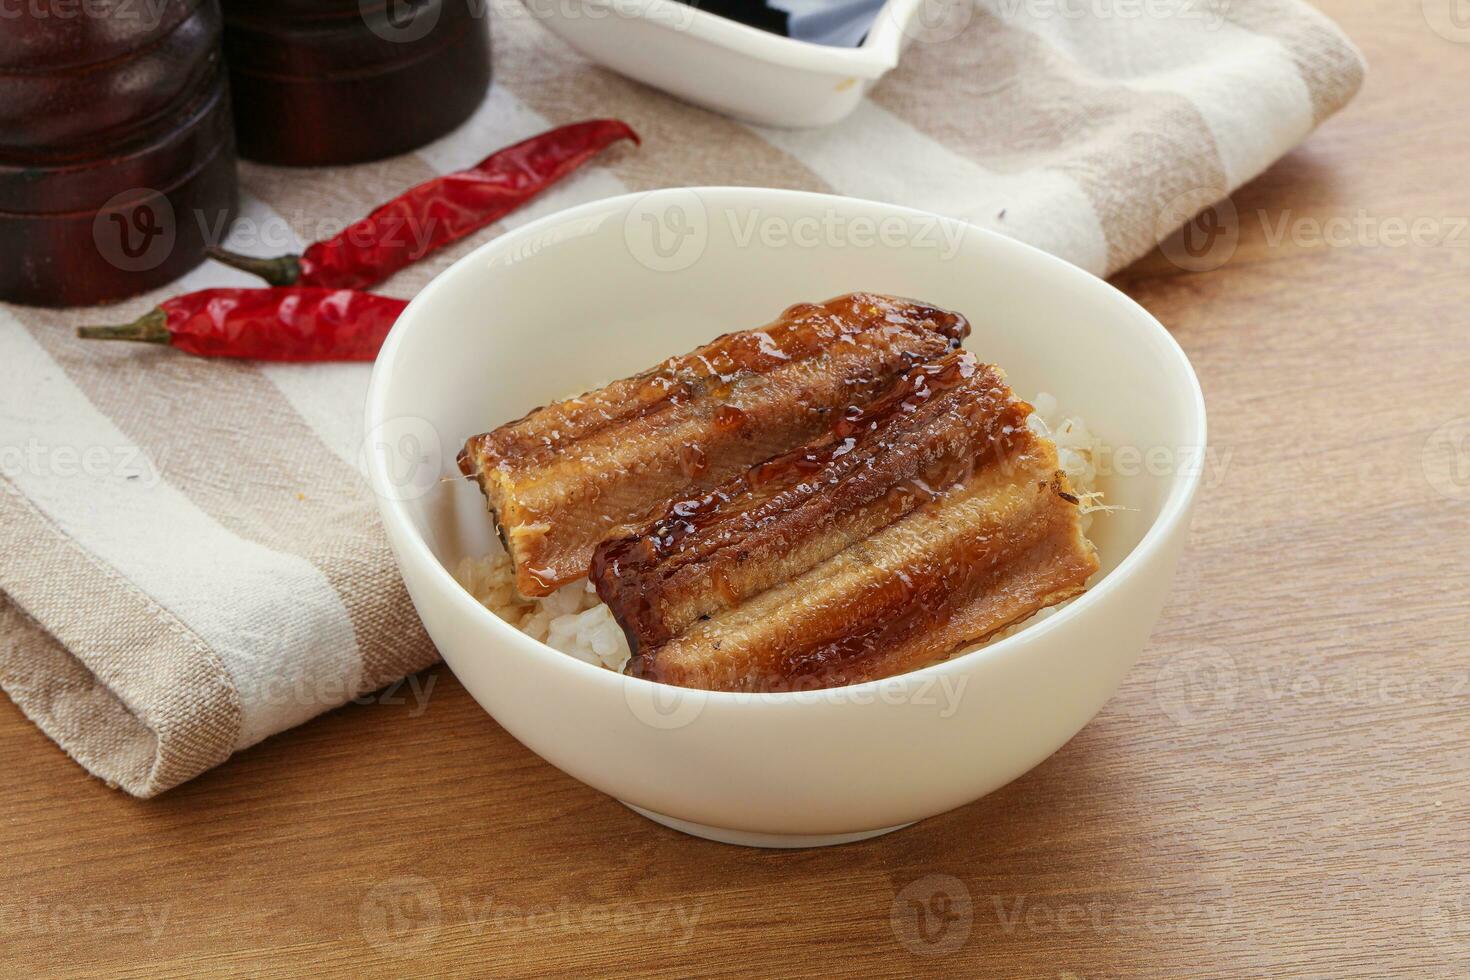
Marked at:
<point>573,620</point>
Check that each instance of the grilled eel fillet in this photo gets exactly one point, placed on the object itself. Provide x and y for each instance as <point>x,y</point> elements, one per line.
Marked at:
<point>565,476</point>
<point>929,519</point>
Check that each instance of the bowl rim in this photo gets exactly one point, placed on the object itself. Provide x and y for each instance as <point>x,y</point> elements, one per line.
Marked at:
<point>876,56</point>
<point>410,545</point>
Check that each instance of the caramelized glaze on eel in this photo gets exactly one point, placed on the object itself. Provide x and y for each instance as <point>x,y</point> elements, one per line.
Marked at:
<point>931,518</point>
<point>568,475</point>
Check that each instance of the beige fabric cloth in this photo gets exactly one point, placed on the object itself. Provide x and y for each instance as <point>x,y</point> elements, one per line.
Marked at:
<point>191,560</point>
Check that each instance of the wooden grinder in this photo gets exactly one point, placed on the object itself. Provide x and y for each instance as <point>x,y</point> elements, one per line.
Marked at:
<point>320,82</point>
<point>117,159</point>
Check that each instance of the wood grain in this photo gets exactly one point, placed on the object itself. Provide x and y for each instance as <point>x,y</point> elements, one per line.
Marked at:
<point>1279,789</point>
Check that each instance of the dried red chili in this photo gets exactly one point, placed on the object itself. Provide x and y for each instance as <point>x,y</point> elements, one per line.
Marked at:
<point>282,324</point>
<point>437,212</point>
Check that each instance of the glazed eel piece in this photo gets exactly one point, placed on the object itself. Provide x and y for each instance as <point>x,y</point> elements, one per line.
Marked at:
<point>568,475</point>
<point>928,519</point>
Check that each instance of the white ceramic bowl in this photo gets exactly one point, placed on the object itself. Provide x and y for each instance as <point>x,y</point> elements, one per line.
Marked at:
<point>730,67</point>
<point>604,290</point>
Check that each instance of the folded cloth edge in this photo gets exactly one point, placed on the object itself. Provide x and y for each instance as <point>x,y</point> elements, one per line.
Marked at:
<point>124,688</point>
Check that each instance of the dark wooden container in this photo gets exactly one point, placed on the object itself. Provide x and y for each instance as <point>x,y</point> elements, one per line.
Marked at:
<point>117,160</point>
<point>320,82</point>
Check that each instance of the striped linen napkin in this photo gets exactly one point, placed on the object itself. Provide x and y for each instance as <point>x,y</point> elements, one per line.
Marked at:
<point>191,560</point>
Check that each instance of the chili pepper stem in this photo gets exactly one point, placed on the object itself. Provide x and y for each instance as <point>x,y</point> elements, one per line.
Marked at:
<point>283,270</point>
<point>150,328</point>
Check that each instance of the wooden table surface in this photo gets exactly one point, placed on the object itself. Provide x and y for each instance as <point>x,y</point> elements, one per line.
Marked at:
<point>1279,789</point>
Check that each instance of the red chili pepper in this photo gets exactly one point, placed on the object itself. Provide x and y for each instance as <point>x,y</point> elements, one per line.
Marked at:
<point>438,211</point>
<point>283,324</point>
